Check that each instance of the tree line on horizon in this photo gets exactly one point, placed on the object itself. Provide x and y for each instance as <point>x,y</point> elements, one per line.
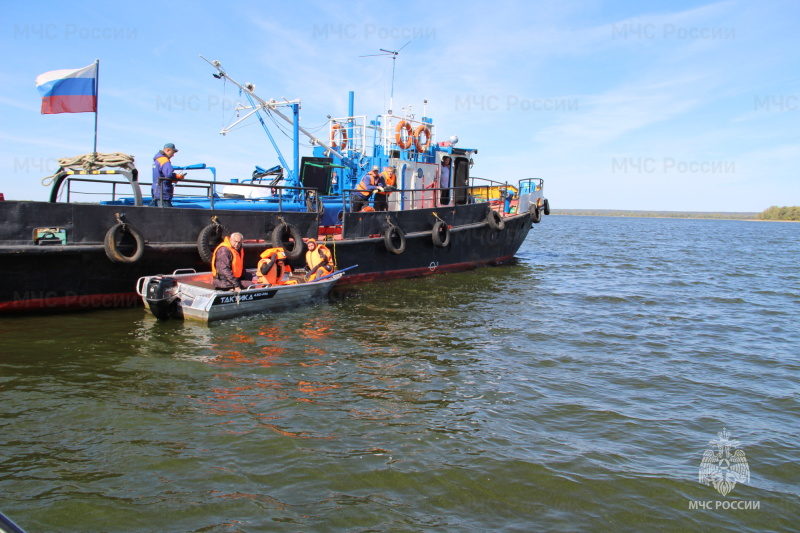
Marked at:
<point>780,213</point>
<point>655,214</point>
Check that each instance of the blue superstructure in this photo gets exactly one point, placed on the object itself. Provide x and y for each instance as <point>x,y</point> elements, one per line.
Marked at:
<point>323,181</point>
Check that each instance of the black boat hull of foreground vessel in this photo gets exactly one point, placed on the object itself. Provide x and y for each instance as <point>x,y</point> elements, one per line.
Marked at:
<point>58,255</point>
<point>473,242</point>
<point>66,255</point>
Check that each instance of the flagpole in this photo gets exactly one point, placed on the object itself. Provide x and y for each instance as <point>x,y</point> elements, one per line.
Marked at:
<point>96,103</point>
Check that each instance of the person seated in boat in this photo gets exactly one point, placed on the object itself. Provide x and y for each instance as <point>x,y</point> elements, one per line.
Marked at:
<point>318,260</point>
<point>388,180</point>
<point>227,264</point>
<point>273,269</point>
<point>163,189</point>
<point>368,184</point>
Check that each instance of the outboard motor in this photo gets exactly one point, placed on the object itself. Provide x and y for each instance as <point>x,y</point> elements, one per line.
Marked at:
<point>161,294</point>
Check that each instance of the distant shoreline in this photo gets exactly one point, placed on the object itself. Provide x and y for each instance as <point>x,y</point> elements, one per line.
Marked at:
<point>661,214</point>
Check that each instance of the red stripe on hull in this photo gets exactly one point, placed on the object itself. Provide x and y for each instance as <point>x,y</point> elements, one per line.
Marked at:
<point>418,272</point>
<point>84,301</point>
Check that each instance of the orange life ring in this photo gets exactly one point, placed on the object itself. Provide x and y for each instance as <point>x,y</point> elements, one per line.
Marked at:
<point>343,132</point>
<point>403,125</point>
<point>422,129</point>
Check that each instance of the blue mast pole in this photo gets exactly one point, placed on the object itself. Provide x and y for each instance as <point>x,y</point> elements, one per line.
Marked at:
<point>351,111</point>
<point>296,137</point>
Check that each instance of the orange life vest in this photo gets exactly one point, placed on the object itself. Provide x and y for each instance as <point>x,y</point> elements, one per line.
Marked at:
<point>237,261</point>
<point>320,255</point>
<point>389,178</point>
<point>373,180</point>
<point>275,274</point>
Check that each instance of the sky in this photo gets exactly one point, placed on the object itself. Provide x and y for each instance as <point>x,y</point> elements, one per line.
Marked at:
<point>668,106</point>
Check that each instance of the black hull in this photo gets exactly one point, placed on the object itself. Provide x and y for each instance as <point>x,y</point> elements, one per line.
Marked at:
<point>471,245</point>
<point>80,274</point>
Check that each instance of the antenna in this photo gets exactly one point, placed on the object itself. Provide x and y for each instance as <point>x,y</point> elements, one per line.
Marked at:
<point>393,54</point>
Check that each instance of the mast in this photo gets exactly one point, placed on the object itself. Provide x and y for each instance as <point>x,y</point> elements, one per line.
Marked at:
<point>393,54</point>
<point>96,103</point>
<point>272,106</point>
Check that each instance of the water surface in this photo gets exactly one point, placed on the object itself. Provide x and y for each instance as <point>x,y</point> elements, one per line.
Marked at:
<point>575,390</point>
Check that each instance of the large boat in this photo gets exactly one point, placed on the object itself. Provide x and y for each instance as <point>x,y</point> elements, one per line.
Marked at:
<point>65,254</point>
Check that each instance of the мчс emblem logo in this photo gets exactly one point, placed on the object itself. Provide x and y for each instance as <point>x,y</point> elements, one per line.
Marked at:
<point>726,466</point>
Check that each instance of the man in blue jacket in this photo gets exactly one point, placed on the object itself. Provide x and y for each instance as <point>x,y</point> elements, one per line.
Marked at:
<point>369,183</point>
<point>162,168</point>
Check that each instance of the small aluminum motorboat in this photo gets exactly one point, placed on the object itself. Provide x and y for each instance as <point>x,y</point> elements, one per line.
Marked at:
<point>187,294</point>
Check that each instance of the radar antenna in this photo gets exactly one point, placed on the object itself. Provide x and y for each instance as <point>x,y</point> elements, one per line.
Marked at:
<point>393,54</point>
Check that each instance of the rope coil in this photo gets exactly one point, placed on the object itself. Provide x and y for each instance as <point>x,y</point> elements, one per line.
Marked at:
<point>89,162</point>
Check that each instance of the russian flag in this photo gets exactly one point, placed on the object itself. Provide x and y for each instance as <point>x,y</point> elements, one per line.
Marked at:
<point>69,91</point>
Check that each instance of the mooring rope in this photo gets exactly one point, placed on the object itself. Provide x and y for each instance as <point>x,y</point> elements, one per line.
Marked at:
<point>91,161</point>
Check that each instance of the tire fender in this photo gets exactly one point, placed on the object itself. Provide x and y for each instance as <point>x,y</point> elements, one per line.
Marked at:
<point>536,215</point>
<point>440,234</point>
<point>389,234</point>
<point>287,230</point>
<point>114,238</point>
<point>495,220</point>
<point>208,239</point>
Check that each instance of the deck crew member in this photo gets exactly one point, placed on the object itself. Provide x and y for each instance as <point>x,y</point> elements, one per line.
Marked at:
<point>318,260</point>
<point>368,184</point>
<point>272,269</point>
<point>388,180</point>
<point>227,264</point>
<point>162,189</point>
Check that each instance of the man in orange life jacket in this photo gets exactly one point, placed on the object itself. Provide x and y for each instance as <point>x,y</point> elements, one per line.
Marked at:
<point>318,260</point>
<point>227,264</point>
<point>369,183</point>
<point>388,180</point>
<point>162,189</point>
